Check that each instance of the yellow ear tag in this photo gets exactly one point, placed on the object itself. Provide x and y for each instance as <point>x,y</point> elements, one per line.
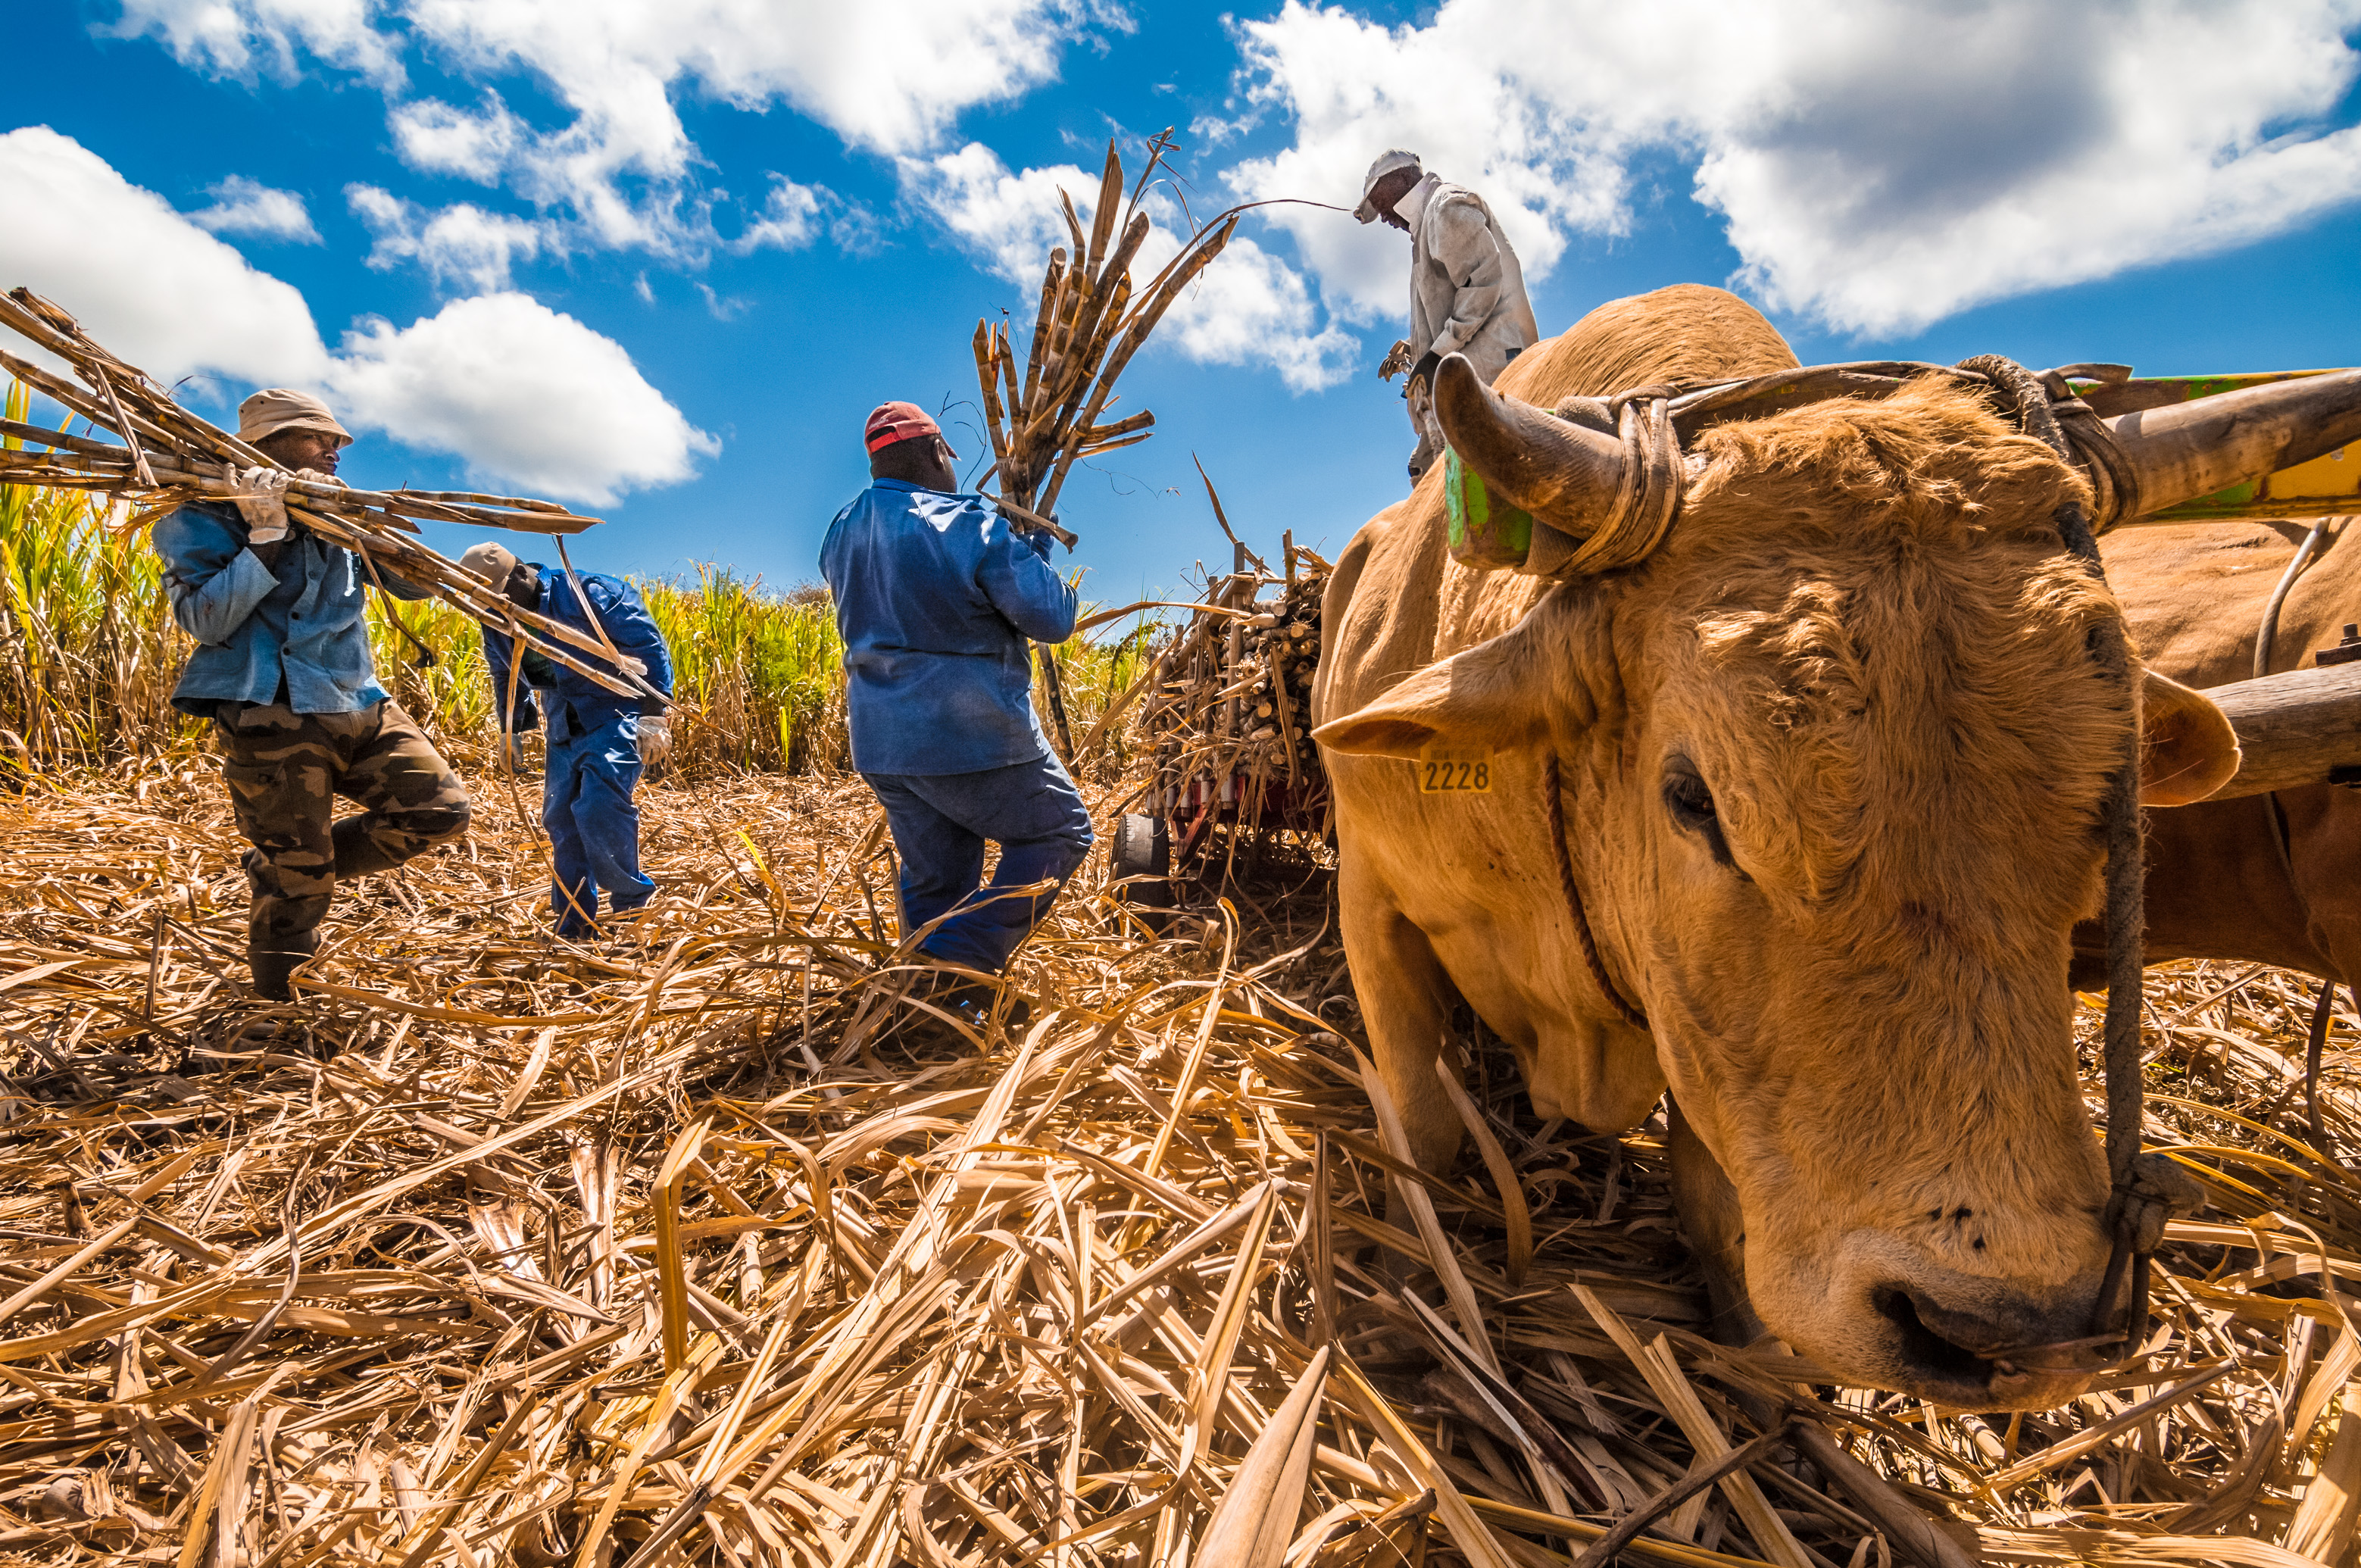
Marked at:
<point>1454,770</point>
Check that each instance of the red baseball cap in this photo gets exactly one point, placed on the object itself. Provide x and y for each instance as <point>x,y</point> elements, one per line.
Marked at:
<point>890,422</point>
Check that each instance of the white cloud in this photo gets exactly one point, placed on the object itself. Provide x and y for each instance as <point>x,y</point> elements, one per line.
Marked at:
<point>461,244</point>
<point>524,396</point>
<point>248,38</point>
<point>1880,166</point>
<point>1247,307</point>
<point>890,79</point>
<point>789,219</point>
<point>248,206</point>
<point>141,277</point>
<point>433,137</point>
<point>720,307</point>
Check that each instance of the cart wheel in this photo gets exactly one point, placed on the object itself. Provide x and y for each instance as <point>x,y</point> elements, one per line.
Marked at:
<point>1143,848</point>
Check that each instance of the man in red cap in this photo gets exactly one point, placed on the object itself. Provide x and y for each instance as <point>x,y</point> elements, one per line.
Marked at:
<point>939,601</point>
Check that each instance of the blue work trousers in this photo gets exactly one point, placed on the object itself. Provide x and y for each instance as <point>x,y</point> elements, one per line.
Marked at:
<point>940,823</point>
<point>594,829</point>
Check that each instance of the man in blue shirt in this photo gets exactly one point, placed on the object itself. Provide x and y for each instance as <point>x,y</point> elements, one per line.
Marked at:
<point>939,601</point>
<point>598,741</point>
<point>283,669</point>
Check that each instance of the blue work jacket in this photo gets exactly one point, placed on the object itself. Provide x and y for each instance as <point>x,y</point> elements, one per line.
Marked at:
<point>938,598</point>
<point>257,625</point>
<point>579,705</point>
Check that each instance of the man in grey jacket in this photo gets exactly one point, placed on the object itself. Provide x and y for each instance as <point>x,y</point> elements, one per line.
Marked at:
<point>1467,291</point>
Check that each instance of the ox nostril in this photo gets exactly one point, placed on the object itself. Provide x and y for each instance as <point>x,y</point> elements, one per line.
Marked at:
<point>1926,1350</point>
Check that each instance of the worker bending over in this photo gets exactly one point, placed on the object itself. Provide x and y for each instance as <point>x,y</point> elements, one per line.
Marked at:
<point>283,669</point>
<point>1467,291</point>
<point>938,601</point>
<point>599,742</point>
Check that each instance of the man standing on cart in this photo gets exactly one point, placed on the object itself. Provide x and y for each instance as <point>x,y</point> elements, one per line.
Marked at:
<point>939,601</point>
<point>1467,291</point>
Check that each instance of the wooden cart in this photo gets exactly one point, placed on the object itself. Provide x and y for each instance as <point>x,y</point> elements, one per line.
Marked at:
<point>1230,717</point>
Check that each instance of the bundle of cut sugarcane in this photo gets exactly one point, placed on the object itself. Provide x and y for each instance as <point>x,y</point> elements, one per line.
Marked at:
<point>1043,415</point>
<point>1232,707</point>
<point>1089,325</point>
<point>170,456</point>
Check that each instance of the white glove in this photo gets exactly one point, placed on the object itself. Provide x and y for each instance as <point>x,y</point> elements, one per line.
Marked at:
<point>655,740</point>
<point>637,666</point>
<point>262,501</point>
<point>315,476</point>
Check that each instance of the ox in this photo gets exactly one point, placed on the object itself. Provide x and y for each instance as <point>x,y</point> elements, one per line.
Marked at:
<point>1830,765</point>
<point>2218,885</point>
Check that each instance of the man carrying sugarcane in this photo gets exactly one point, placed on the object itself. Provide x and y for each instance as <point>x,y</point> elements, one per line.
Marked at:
<point>938,601</point>
<point>1467,291</point>
<point>283,668</point>
<point>599,742</point>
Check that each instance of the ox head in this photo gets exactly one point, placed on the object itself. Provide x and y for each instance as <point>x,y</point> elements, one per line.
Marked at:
<point>1834,761</point>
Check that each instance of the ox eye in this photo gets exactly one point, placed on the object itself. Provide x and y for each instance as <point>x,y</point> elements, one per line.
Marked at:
<point>1691,804</point>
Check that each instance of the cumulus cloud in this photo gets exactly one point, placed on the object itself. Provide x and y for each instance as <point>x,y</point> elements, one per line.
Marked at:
<point>887,78</point>
<point>458,244</point>
<point>1877,167</point>
<point>790,218</point>
<point>248,206</point>
<point>522,395</point>
<point>244,39</point>
<point>1249,308</point>
<point>142,278</point>
<point>438,138</point>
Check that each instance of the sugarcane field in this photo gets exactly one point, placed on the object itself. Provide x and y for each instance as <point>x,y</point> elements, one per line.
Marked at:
<point>1706,911</point>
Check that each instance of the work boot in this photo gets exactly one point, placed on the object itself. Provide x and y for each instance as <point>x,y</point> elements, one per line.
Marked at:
<point>970,1000</point>
<point>273,966</point>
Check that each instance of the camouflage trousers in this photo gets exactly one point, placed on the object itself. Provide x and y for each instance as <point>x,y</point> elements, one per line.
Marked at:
<point>285,770</point>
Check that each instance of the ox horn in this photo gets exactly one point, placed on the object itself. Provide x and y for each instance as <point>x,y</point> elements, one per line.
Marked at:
<point>1568,476</point>
<point>2193,449</point>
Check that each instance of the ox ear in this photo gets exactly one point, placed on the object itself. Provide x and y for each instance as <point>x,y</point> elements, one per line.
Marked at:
<point>2187,748</point>
<point>1490,697</point>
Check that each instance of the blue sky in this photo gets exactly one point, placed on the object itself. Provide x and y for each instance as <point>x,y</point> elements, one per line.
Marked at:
<point>660,260</point>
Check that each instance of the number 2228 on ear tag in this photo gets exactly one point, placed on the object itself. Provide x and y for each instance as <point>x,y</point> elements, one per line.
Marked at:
<point>1454,770</point>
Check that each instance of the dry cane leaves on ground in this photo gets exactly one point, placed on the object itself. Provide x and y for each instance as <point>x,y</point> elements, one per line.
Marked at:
<point>675,1248</point>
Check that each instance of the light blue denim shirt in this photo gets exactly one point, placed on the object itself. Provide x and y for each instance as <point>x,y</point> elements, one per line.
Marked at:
<point>938,601</point>
<point>255,624</point>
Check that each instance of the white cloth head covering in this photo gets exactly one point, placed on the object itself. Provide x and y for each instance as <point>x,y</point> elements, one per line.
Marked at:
<point>493,563</point>
<point>1387,163</point>
<point>275,409</point>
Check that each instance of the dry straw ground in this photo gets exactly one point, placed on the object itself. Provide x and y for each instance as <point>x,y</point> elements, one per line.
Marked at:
<point>662,1251</point>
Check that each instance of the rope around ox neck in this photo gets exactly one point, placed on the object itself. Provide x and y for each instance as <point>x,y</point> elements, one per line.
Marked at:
<point>1554,801</point>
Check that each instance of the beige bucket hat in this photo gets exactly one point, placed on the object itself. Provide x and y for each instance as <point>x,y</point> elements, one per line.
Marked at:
<point>275,409</point>
<point>492,562</point>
